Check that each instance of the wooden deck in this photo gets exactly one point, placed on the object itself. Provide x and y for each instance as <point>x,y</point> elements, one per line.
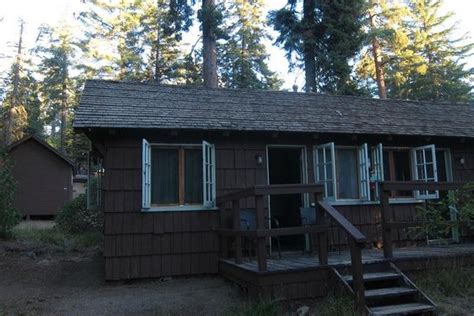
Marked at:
<point>296,261</point>
<point>298,275</point>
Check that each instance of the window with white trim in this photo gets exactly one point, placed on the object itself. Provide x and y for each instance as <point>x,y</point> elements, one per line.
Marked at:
<point>376,171</point>
<point>344,171</point>
<point>425,169</point>
<point>178,176</point>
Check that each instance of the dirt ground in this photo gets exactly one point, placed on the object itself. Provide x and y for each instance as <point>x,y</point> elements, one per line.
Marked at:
<point>38,281</point>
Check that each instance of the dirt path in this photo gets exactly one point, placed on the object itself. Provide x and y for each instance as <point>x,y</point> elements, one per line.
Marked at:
<point>35,281</point>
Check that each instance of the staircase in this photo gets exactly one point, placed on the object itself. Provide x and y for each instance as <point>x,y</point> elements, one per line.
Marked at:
<point>388,291</point>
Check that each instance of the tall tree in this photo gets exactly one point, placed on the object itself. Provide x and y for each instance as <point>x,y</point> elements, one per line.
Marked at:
<point>14,113</point>
<point>324,40</point>
<point>57,53</point>
<point>243,61</point>
<point>210,18</point>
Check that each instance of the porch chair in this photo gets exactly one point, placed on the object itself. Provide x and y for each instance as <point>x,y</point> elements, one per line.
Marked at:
<point>248,221</point>
<point>308,217</point>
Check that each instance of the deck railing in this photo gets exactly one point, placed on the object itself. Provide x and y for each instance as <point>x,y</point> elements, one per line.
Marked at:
<point>386,215</point>
<point>323,211</point>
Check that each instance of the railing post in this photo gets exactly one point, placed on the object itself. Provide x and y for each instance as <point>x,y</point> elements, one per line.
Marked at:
<point>236,226</point>
<point>261,241</point>
<point>386,218</point>
<point>358,275</point>
<point>223,239</point>
<point>322,236</point>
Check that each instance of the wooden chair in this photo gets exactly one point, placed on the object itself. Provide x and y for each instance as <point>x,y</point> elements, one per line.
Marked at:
<point>248,221</point>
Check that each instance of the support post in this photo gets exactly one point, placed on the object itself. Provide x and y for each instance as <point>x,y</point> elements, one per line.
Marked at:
<point>386,218</point>
<point>236,226</point>
<point>358,275</point>
<point>223,239</point>
<point>261,241</point>
<point>322,236</point>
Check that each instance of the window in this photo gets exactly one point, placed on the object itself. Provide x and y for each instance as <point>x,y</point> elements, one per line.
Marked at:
<point>178,176</point>
<point>376,169</point>
<point>344,171</point>
<point>425,169</point>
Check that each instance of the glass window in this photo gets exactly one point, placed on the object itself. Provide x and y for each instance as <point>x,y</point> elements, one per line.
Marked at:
<point>347,174</point>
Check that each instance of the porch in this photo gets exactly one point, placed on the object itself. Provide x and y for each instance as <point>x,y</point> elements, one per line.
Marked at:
<point>301,275</point>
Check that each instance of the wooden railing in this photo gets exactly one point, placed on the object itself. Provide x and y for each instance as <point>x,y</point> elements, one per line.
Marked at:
<point>386,215</point>
<point>323,211</point>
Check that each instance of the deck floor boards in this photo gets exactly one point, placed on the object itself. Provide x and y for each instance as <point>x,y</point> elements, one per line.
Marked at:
<point>293,261</point>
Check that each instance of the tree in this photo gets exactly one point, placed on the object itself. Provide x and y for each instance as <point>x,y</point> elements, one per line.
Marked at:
<point>242,57</point>
<point>325,39</point>
<point>58,84</point>
<point>9,216</point>
<point>440,72</point>
<point>210,18</point>
<point>14,113</point>
<point>143,37</point>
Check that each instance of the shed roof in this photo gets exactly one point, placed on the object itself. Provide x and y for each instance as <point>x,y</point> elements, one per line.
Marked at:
<point>61,156</point>
<point>112,104</point>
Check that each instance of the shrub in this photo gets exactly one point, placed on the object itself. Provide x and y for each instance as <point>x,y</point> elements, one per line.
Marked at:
<point>9,216</point>
<point>76,218</point>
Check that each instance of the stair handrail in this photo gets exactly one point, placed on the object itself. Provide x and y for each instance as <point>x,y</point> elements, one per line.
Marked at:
<point>357,242</point>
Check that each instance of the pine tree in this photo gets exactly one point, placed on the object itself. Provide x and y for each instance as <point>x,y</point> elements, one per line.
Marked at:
<point>58,85</point>
<point>243,60</point>
<point>440,73</point>
<point>210,18</point>
<point>324,40</point>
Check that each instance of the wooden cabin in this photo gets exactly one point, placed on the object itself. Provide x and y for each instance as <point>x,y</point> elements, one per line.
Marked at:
<point>182,163</point>
<point>43,176</point>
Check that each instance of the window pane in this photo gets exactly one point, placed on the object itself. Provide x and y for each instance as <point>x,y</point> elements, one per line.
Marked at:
<point>428,156</point>
<point>164,176</point>
<point>442,167</point>
<point>193,176</point>
<point>329,171</point>
<point>330,187</point>
<point>347,178</point>
<point>402,169</point>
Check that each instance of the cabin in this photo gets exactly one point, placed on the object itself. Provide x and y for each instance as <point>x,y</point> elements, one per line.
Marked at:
<point>43,176</point>
<point>286,194</point>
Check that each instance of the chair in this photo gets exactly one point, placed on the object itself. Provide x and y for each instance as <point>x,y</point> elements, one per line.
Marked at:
<point>248,221</point>
<point>308,217</point>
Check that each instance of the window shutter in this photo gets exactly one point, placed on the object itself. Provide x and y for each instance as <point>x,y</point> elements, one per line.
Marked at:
<point>377,168</point>
<point>364,174</point>
<point>424,169</point>
<point>325,168</point>
<point>209,174</point>
<point>146,174</point>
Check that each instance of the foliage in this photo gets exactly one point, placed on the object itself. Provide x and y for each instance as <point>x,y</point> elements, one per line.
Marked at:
<point>9,216</point>
<point>243,61</point>
<point>337,305</point>
<point>324,40</point>
<point>421,58</point>
<point>259,308</point>
<point>455,281</point>
<point>435,215</point>
<point>57,239</point>
<point>76,218</point>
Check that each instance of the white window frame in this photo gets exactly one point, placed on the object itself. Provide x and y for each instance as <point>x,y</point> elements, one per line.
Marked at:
<point>209,178</point>
<point>377,165</point>
<point>364,172</point>
<point>425,195</point>
<point>318,161</point>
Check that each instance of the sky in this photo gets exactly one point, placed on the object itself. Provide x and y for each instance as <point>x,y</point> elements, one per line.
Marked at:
<point>53,12</point>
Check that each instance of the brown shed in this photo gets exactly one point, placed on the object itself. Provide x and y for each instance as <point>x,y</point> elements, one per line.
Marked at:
<point>43,176</point>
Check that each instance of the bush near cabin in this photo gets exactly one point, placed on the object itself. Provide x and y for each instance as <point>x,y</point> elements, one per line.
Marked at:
<point>9,216</point>
<point>76,218</point>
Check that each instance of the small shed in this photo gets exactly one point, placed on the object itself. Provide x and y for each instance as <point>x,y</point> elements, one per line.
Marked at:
<point>43,175</point>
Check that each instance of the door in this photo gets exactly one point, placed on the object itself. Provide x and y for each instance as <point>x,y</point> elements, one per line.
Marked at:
<point>287,165</point>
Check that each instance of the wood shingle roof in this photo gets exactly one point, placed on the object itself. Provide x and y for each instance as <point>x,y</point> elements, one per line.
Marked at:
<point>111,104</point>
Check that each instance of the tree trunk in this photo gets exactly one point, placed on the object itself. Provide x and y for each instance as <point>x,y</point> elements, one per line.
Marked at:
<point>10,111</point>
<point>157,76</point>
<point>309,45</point>
<point>62,140</point>
<point>379,72</point>
<point>209,50</point>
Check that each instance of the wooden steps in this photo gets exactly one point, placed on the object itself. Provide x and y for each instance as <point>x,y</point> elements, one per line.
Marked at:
<point>388,291</point>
